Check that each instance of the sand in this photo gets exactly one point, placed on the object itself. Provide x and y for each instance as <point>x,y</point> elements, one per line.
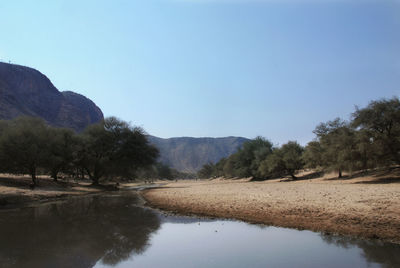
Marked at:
<point>367,207</point>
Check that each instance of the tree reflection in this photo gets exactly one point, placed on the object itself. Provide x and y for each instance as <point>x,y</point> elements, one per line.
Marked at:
<point>77,233</point>
<point>374,251</point>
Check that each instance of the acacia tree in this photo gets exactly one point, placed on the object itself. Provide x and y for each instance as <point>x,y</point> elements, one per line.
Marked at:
<point>312,155</point>
<point>245,162</point>
<point>338,143</point>
<point>219,167</point>
<point>273,165</point>
<point>369,153</point>
<point>63,145</point>
<point>232,167</point>
<point>380,123</point>
<point>24,146</point>
<point>284,161</point>
<point>207,171</point>
<point>114,148</point>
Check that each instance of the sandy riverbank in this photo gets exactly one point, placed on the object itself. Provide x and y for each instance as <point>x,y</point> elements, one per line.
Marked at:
<point>365,206</point>
<point>15,190</point>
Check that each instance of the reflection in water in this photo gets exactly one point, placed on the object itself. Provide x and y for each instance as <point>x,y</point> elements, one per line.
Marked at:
<point>76,233</point>
<point>112,231</point>
<point>237,244</point>
<point>374,251</point>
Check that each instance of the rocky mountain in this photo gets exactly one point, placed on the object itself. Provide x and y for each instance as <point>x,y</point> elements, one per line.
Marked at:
<point>26,91</point>
<point>190,154</point>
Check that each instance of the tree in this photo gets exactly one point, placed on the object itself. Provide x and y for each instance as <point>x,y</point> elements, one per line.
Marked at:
<point>133,151</point>
<point>312,155</point>
<point>158,171</point>
<point>284,161</point>
<point>245,162</point>
<point>380,121</point>
<point>63,145</point>
<point>368,152</point>
<point>207,171</point>
<point>219,167</point>
<point>292,157</point>
<point>231,166</point>
<point>24,146</point>
<point>95,151</point>
<point>338,145</point>
<point>251,154</point>
<point>273,165</point>
<point>114,148</point>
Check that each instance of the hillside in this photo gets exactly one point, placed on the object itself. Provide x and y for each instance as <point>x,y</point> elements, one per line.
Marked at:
<point>190,154</point>
<point>26,91</point>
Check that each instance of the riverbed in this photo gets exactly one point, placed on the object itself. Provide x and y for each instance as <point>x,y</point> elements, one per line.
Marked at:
<point>367,207</point>
<point>116,230</point>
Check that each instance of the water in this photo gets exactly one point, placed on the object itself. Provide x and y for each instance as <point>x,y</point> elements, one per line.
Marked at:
<point>114,231</point>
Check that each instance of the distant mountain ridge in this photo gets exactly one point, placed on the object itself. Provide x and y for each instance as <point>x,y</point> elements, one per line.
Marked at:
<point>26,91</point>
<point>189,154</point>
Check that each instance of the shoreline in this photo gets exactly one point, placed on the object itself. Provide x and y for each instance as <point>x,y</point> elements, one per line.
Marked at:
<point>17,201</point>
<point>364,215</point>
<point>15,191</point>
<point>353,207</point>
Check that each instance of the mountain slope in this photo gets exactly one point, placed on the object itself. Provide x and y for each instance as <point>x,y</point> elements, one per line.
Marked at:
<point>190,154</point>
<point>26,91</point>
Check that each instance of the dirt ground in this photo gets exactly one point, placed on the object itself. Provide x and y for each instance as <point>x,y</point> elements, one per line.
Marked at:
<point>365,205</point>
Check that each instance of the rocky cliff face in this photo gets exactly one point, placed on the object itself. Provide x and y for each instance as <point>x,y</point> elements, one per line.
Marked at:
<point>190,154</point>
<point>26,91</point>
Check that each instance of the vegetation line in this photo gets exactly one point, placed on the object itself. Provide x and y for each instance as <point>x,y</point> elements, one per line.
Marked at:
<point>106,150</point>
<point>370,139</point>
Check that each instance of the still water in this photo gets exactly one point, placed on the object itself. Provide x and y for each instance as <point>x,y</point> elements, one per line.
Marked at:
<point>115,231</point>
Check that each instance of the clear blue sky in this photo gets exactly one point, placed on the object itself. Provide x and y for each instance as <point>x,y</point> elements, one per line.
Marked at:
<point>215,68</point>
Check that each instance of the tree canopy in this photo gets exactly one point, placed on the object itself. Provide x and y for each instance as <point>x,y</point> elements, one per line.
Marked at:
<point>370,139</point>
<point>380,121</point>
<point>243,163</point>
<point>24,146</point>
<point>109,149</point>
